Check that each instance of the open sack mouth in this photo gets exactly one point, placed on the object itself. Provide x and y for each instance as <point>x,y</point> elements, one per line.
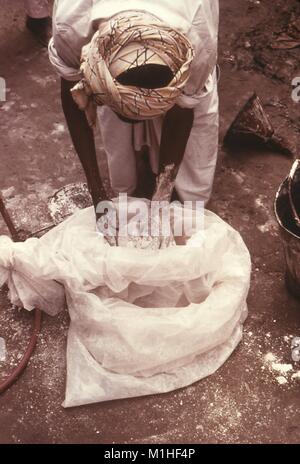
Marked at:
<point>142,321</point>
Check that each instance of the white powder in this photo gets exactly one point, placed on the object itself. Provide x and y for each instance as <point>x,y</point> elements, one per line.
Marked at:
<point>296,376</point>
<point>68,200</point>
<point>239,176</point>
<point>9,192</point>
<point>282,368</point>
<point>58,129</point>
<point>270,224</point>
<point>281,380</point>
<point>283,372</point>
<point>270,357</point>
<point>260,202</point>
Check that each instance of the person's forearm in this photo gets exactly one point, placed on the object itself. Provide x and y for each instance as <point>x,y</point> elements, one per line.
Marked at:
<point>83,141</point>
<point>176,130</point>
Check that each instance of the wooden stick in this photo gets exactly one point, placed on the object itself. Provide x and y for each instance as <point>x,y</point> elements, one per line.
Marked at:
<point>7,219</point>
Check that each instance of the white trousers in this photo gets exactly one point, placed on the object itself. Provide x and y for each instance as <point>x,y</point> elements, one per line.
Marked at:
<point>37,8</point>
<point>196,174</point>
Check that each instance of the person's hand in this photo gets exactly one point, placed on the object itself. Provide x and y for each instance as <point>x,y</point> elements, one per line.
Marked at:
<point>165,183</point>
<point>145,232</point>
<point>134,226</point>
<point>107,221</point>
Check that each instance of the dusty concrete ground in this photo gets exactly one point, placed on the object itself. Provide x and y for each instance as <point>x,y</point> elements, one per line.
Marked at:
<point>248,400</point>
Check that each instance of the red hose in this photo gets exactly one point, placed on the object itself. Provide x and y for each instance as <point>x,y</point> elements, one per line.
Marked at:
<point>24,361</point>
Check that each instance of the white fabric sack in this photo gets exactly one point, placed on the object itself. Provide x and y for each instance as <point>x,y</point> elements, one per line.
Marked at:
<point>142,321</point>
<point>31,282</point>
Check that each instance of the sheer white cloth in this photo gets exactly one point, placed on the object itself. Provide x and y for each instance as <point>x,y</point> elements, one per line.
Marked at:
<point>142,321</point>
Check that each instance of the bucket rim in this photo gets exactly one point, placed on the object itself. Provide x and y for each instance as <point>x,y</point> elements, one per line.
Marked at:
<point>276,213</point>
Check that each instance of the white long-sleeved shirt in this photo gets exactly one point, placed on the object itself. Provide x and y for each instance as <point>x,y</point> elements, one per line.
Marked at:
<point>76,21</point>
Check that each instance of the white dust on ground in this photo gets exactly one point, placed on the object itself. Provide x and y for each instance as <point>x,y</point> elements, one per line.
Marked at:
<point>224,410</point>
<point>58,129</point>
<point>68,200</point>
<point>270,226</point>
<point>29,213</point>
<point>275,356</point>
<point>284,373</point>
<point>15,331</point>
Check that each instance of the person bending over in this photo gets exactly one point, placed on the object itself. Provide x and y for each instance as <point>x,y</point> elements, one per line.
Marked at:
<point>147,71</point>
